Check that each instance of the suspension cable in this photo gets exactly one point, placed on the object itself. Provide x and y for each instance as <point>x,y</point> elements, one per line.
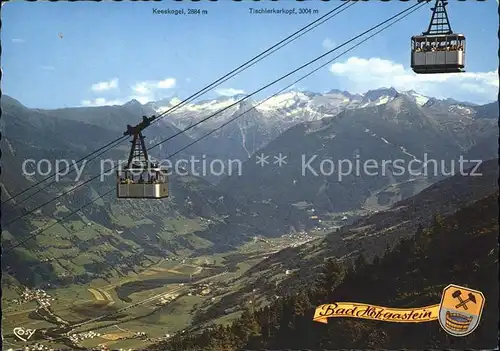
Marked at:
<point>413,8</point>
<point>329,15</point>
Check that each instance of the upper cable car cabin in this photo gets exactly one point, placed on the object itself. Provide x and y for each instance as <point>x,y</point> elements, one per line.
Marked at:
<point>438,50</point>
<point>438,53</point>
<point>141,178</point>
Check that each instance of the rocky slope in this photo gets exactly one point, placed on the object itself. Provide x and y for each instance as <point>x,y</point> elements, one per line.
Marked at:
<point>109,236</point>
<point>338,163</point>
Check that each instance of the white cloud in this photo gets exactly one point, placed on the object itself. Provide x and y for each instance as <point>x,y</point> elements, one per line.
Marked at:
<point>143,92</point>
<point>17,40</point>
<point>47,68</point>
<point>148,87</point>
<point>101,102</point>
<point>147,91</point>
<point>103,86</point>
<point>296,87</point>
<point>141,88</point>
<point>166,84</point>
<point>328,44</point>
<point>229,92</point>
<point>365,74</point>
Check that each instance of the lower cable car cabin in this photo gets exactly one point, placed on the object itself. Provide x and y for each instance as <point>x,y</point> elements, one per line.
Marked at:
<point>142,184</point>
<point>438,50</point>
<point>141,178</point>
<point>438,53</point>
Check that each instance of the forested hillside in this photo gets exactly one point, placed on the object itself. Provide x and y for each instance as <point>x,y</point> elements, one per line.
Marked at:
<point>461,249</point>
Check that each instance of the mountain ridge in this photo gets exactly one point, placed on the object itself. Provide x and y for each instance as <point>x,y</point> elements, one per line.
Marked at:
<point>348,133</point>
<point>412,273</point>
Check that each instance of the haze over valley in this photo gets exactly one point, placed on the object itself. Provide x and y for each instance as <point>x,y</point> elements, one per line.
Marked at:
<point>230,175</point>
<point>223,241</point>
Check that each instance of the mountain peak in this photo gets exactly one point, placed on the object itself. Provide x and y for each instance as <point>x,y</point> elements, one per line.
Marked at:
<point>389,91</point>
<point>7,100</point>
<point>344,93</point>
<point>227,97</point>
<point>374,95</point>
<point>335,91</point>
<point>133,102</point>
<point>310,94</point>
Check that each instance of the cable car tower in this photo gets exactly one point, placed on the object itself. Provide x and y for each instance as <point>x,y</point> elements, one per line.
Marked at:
<point>438,50</point>
<point>141,178</point>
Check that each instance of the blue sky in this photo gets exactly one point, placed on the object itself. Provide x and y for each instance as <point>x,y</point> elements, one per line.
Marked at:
<point>136,54</point>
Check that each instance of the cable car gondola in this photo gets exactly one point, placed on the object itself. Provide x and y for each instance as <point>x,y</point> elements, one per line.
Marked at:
<point>438,50</point>
<point>141,178</point>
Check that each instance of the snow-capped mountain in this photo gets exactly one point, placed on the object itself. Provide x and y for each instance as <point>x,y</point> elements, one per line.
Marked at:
<point>401,129</point>
<point>287,108</point>
<point>236,133</point>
